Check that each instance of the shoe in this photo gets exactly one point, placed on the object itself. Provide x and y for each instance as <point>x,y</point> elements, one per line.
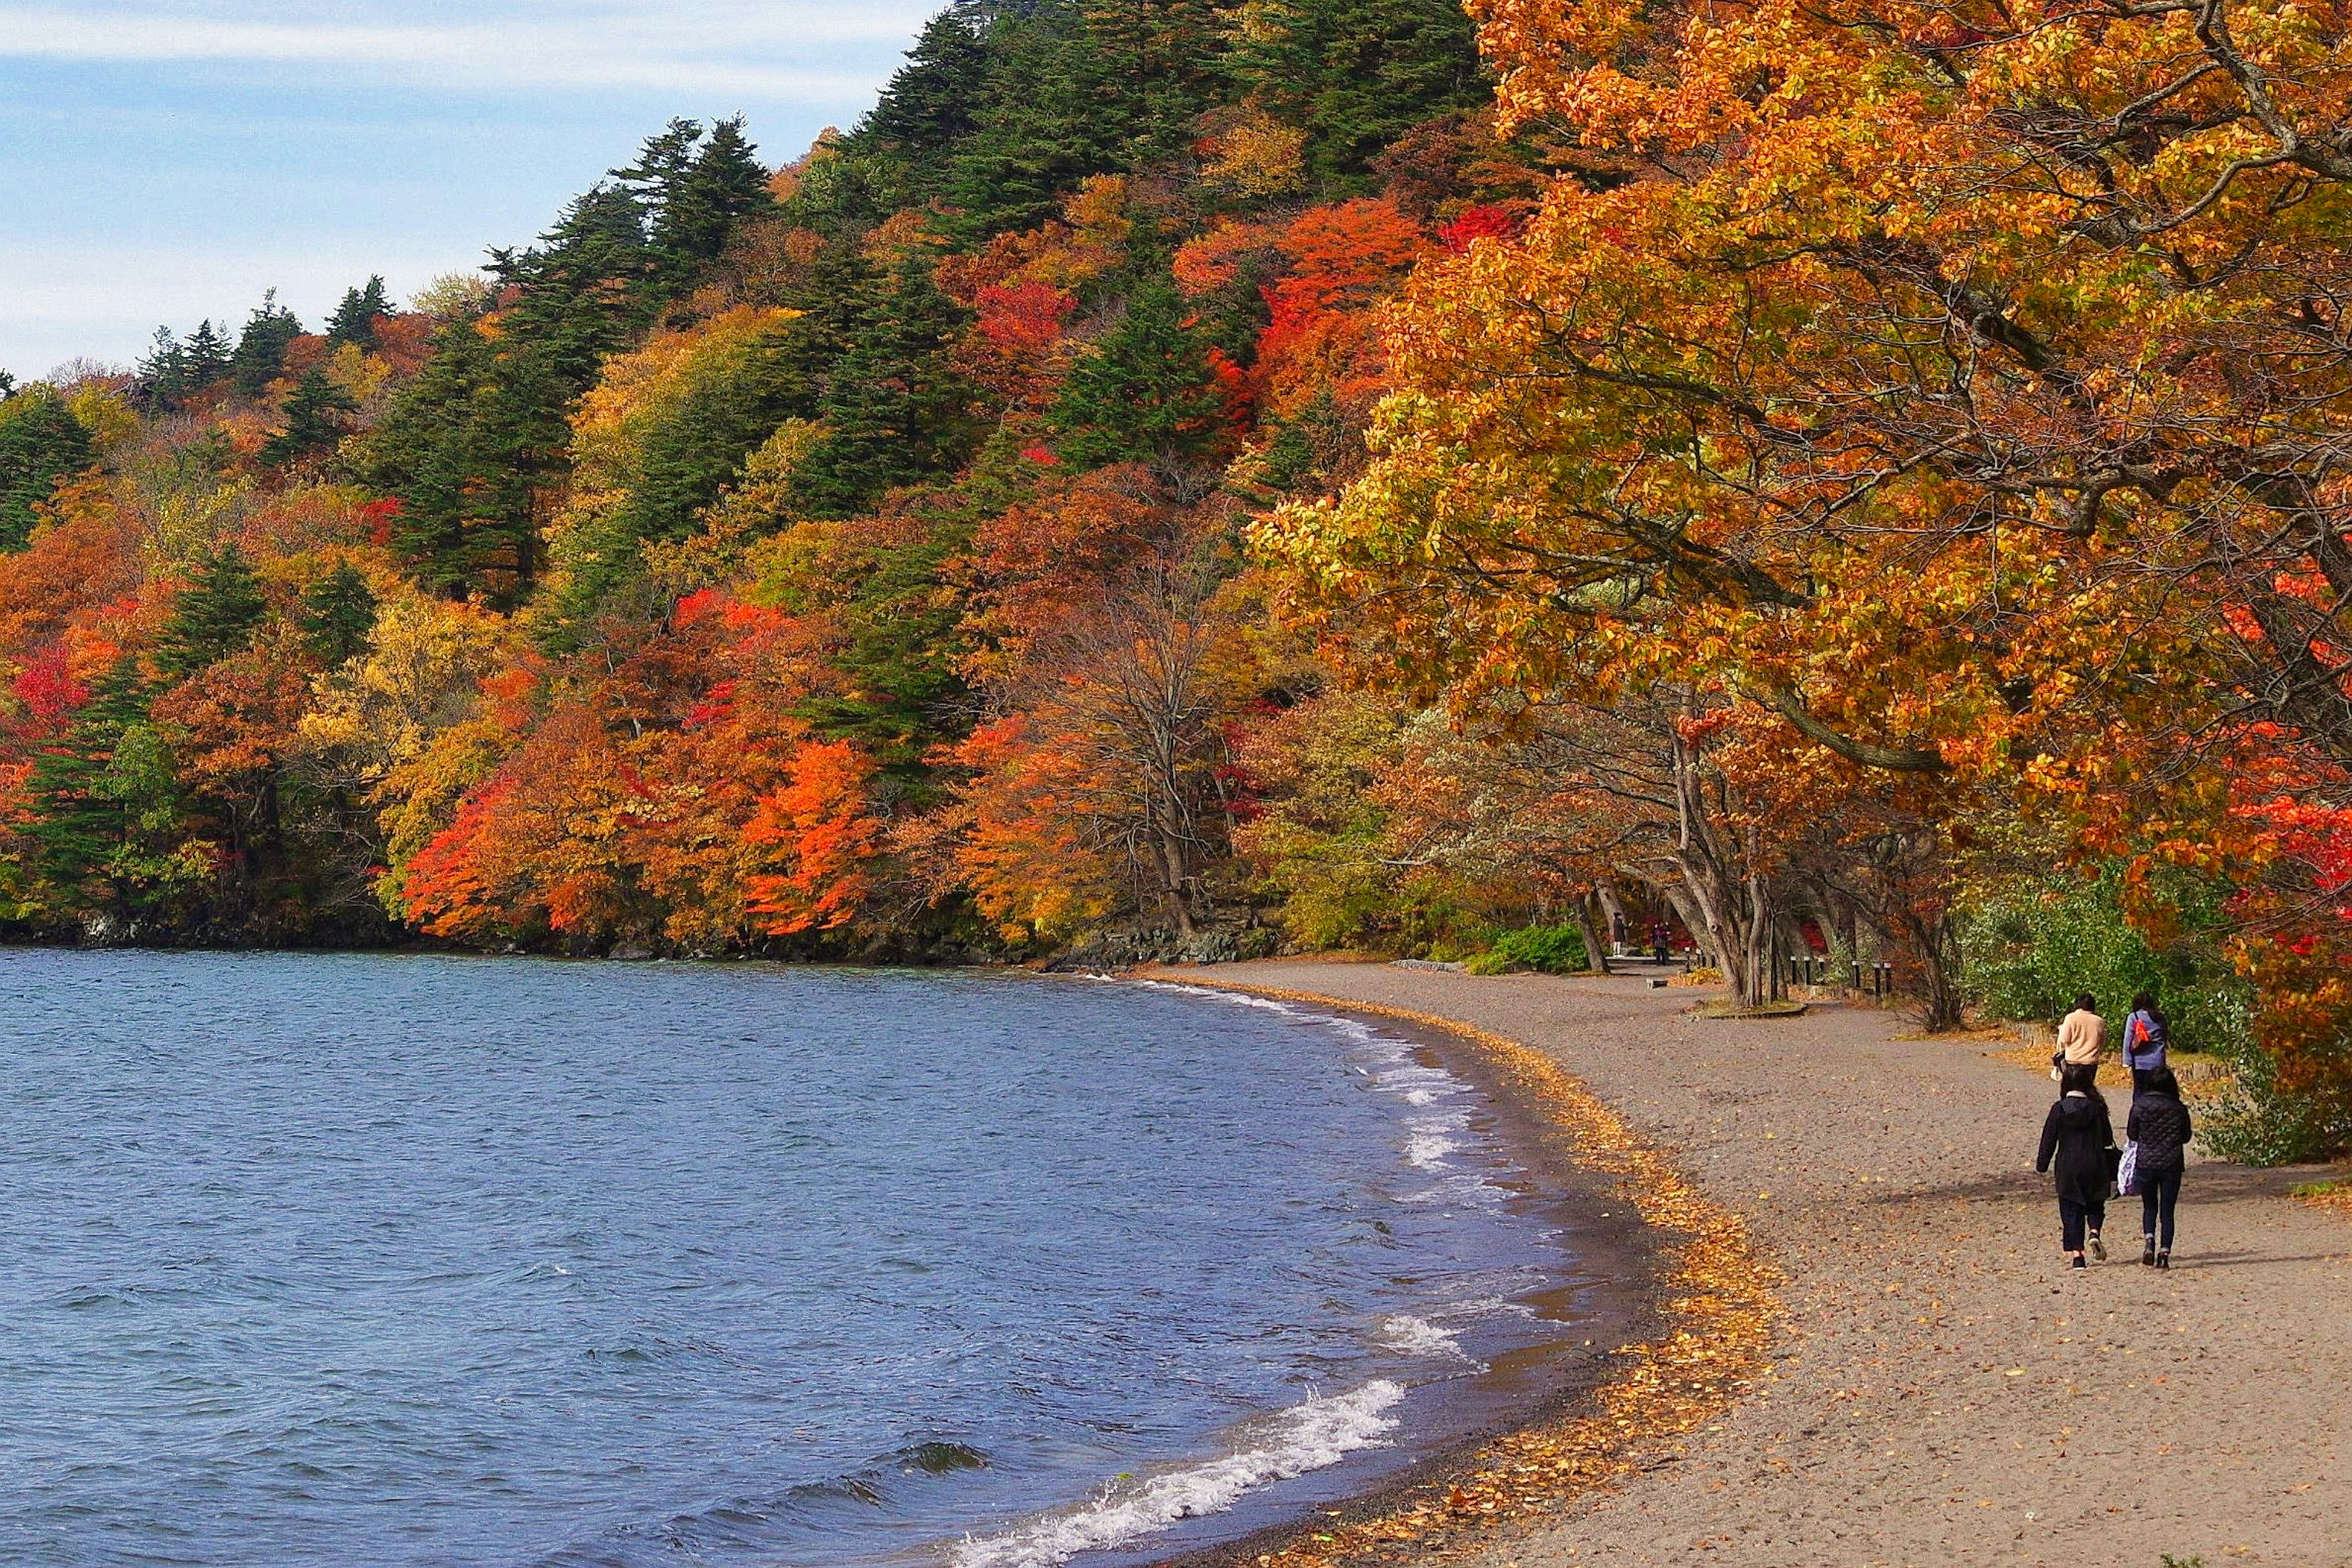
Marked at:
<point>2164,1258</point>
<point>2098,1247</point>
<point>2147,1253</point>
<point>2078,1262</point>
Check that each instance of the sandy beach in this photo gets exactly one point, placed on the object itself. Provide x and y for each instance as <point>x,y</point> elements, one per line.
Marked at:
<point>1939,1390</point>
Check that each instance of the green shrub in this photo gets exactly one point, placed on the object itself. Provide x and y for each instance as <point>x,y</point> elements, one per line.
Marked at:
<point>2029,946</point>
<point>1547,950</point>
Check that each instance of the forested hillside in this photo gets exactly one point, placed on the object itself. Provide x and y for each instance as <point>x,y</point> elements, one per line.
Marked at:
<point>1869,484</point>
<point>843,558</point>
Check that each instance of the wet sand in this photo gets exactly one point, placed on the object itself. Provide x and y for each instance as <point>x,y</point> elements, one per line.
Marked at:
<point>1936,1388</point>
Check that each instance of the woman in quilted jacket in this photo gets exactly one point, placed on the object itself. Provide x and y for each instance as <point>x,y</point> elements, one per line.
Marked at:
<point>2159,1124</point>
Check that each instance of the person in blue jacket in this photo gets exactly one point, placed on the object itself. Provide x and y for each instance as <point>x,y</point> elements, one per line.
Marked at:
<point>2148,1036</point>
<point>2159,1124</point>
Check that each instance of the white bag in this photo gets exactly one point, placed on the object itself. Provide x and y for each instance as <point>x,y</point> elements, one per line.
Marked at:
<point>2128,1170</point>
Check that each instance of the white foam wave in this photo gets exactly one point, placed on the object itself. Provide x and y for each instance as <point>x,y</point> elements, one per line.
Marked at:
<point>1304,1438</point>
<point>1427,1150</point>
<point>1405,1334</point>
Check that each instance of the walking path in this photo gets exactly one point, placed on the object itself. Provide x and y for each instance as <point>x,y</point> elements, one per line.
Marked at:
<point>1945,1393</point>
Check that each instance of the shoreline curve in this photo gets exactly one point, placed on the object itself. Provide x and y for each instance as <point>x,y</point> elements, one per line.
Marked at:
<point>1700,1340</point>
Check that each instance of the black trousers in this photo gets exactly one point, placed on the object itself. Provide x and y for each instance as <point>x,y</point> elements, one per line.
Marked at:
<point>2070,1215</point>
<point>2157,1194</point>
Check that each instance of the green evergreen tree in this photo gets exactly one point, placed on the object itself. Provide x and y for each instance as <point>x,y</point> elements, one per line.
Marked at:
<point>1358,74</point>
<point>1146,391</point>
<point>1040,130</point>
<point>339,616</point>
<point>895,411</point>
<point>899,654</point>
<point>260,353</point>
<point>214,616</point>
<point>41,443</point>
<point>103,806</point>
<point>712,197</point>
<point>473,447</point>
<point>354,320</point>
<point>429,454</point>
<point>933,101</point>
<point>311,423</point>
<point>208,355</point>
<point>164,373</point>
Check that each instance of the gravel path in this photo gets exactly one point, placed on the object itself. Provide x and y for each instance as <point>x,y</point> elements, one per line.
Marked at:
<point>1948,1393</point>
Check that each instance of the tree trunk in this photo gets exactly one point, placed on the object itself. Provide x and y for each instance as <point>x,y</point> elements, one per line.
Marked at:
<point>1613,913</point>
<point>1596,956</point>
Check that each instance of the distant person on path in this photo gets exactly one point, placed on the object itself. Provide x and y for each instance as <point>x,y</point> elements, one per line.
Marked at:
<point>2148,1035</point>
<point>2159,1124</point>
<point>2076,1136</point>
<point>1662,936</point>
<point>2081,1037</point>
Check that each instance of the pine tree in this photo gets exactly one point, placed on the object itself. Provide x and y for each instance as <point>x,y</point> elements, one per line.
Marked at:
<point>41,442</point>
<point>473,446</point>
<point>214,616</point>
<point>934,100</point>
<point>587,289</point>
<point>102,803</point>
<point>1146,390</point>
<point>354,320</point>
<point>1040,128</point>
<point>1357,74</point>
<point>339,616</point>
<point>311,423</point>
<point>208,355</point>
<point>164,373</point>
<point>261,350</point>
<point>699,214</point>
<point>896,411</point>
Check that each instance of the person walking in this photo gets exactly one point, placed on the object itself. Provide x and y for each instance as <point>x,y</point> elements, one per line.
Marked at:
<point>2148,1036</point>
<point>2075,1138</point>
<point>2159,1124</point>
<point>2081,1037</point>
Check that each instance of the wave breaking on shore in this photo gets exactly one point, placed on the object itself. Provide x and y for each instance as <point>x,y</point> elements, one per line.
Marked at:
<point>1306,1437</point>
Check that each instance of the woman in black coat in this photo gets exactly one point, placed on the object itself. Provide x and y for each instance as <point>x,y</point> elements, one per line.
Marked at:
<point>2076,1136</point>
<point>2159,1124</point>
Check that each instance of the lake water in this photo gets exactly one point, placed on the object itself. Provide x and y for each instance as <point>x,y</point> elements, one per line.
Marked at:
<point>389,1261</point>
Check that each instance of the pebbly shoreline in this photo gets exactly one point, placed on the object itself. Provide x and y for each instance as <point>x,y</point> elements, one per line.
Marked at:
<point>1935,1389</point>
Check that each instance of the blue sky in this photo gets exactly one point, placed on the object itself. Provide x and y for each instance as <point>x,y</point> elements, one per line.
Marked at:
<point>168,160</point>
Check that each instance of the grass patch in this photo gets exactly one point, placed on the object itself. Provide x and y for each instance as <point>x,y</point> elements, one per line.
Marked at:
<point>2335,1194</point>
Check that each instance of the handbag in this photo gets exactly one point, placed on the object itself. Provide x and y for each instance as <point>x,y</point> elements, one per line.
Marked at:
<point>2127,1169</point>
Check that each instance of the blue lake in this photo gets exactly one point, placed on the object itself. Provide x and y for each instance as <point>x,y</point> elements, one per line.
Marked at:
<point>373,1260</point>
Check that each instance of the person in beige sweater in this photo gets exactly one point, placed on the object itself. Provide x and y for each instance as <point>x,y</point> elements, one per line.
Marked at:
<point>2081,1037</point>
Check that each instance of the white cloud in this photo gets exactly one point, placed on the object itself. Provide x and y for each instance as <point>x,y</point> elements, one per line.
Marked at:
<point>814,48</point>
